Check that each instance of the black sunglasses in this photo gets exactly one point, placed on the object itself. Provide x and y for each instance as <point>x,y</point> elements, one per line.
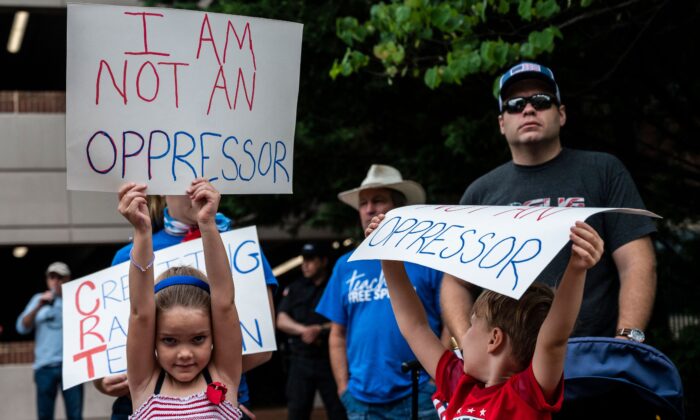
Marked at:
<point>539,101</point>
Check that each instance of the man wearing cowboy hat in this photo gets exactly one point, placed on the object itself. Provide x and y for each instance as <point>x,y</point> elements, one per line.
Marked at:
<point>366,346</point>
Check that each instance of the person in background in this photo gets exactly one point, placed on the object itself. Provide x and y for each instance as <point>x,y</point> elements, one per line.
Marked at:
<point>620,290</point>
<point>309,366</point>
<point>44,315</point>
<point>175,221</point>
<point>365,344</point>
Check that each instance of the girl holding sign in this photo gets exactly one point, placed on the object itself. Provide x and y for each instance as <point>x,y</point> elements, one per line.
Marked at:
<point>176,327</point>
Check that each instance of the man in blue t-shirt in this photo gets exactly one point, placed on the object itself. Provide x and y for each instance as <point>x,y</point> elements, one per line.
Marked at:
<point>365,344</point>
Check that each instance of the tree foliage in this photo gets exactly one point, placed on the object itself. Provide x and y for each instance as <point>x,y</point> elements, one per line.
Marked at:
<point>447,41</point>
<point>623,67</point>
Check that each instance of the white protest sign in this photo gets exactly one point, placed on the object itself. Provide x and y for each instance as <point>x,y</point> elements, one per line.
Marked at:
<point>96,307</point>
<point>162,96</point>
<point>500,248</point>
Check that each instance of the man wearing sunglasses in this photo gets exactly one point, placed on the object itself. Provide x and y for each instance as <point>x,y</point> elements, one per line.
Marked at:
<point>620,289</point>
<point>44,315</point>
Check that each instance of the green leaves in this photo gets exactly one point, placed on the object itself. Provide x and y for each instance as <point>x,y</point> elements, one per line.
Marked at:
<point>539,42</point>
<point>349,30</point>
<point>446,41</point>
<point>352,61</point>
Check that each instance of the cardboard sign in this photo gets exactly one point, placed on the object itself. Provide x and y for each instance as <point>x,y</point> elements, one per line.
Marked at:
<point>96,307</point>
<point>162,96</point>
<point>500,248</point>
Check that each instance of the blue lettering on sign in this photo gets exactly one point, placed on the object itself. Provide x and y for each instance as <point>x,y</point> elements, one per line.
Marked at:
<point>179,157</point>
<point>238,161</point>
<point>483,247</point>
<point>437,226</point>
<point>150,149</point>
<point>485,250</point>
<point>461,240</point>
<point>196,257</point>
<point>256,336</point>
<point>114,355</point>
<point>278,161</point>
<point>114,150</point>
<point>254,257</point>
<point>115,290</point>
<point>116,325</point>
<point>269,158</point>
<point>512,244</point>
<point>252,159</point>
<point>229,157</point>
<point>126,155</point>
<point>513,261</point>
<point>205,156</point>
<point>168,262</point>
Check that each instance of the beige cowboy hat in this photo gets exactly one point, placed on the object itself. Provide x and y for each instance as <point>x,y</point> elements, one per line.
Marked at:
<point>384,176</point>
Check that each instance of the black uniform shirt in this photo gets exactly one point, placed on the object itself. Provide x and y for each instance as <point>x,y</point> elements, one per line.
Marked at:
<point>299,302</point>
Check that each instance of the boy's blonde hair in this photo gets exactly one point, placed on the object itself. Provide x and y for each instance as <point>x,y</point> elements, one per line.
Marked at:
<point>185,295</point>
<point>520,319</point>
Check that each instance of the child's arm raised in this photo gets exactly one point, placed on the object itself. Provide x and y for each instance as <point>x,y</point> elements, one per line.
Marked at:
<point>550,350</point>
<point>140,342</point>
<point>409,312</point>
<point>226,331</point>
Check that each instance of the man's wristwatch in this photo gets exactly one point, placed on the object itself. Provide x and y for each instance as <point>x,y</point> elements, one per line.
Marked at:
<point>633,334</point>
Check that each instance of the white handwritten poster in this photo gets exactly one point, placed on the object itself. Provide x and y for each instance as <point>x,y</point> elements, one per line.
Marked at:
<point>96,307</point>
<point>500,248</point>
<point>162,96</point>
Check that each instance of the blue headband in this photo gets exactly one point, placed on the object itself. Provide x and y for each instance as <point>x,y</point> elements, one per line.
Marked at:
<point>176,280</point>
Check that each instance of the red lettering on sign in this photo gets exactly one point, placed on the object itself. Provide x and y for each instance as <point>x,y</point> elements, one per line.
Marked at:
<point>121,92</point>
<point>144,28</point>
<point>87,354</point>
<point>221,75</point>
<point>210,38</point>
<point>91,285</point>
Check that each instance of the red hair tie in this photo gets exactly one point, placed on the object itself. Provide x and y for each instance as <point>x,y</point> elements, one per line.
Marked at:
<point>216,392</point>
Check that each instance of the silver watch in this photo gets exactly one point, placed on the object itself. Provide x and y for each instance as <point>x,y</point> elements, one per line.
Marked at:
<point>633,334</point>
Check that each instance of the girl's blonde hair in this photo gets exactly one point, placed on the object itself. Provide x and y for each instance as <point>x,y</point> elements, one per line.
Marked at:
<point>156,205</point>
<point>185,295</point>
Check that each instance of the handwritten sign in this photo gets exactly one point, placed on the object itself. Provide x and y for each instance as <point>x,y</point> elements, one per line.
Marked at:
<point>500,248</point>
<point>96,307</point>
<point>162,96</point>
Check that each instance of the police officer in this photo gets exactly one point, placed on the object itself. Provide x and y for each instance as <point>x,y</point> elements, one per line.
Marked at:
<point>309,367</point>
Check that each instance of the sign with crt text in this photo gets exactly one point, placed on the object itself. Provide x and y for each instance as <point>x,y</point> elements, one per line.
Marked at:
<point>96,307</point>
<point>163,96</point>
<point>500,248</point>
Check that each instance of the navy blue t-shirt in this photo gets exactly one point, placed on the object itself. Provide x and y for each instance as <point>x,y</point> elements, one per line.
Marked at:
<point>575,178</point>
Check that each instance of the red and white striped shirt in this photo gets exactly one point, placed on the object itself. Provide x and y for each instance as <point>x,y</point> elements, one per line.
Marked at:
<point>196,406</point>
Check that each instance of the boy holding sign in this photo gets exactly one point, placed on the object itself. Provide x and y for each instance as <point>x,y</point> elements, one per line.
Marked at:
<point>514,351</point>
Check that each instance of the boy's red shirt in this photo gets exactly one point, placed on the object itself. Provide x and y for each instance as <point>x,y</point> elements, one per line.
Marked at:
<point>461,397</point>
